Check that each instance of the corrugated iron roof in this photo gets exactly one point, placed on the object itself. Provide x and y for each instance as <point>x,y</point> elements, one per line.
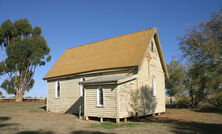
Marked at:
<point>104,79</point>
<point>121,51</point>
<point>112,80</point>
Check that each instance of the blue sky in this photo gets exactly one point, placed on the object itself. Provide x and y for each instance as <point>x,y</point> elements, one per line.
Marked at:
<point>67,23</point>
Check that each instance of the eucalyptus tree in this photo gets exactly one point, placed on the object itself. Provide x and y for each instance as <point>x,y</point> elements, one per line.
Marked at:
<point>175,84</point>
<point>202,48</point>
<point>23,49</point>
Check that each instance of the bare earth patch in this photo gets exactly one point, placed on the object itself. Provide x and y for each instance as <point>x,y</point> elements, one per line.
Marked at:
<point>31,118</point>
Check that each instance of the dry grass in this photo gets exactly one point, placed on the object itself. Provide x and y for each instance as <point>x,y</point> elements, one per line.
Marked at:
<point>30,118</point>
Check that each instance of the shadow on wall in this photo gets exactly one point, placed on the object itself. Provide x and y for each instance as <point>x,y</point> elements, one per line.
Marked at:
<point>142,101</point>
<point>74,109</point>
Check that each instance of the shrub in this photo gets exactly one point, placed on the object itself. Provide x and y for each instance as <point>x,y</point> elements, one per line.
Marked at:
<point>205,105</point>
<point>182,102</point>
<point>45,101</point>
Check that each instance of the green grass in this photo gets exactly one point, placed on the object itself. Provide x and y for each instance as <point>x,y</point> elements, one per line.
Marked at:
<point>36,111</point>
<point>21,107</point>
<point>108,125</point>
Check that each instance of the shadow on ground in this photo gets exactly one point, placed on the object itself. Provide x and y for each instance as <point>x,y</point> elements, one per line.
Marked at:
<point>208,110</point>
<point>50,132</point>
<point>43,107</point>
<point>4,118</point>
<point>185,127</point>
<point>89,132</point>
<point>35,132</point>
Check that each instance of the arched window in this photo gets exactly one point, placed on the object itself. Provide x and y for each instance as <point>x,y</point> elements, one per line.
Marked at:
<point>57,89</point>
<point>154,86</point>
<point>81,87</point>
<point>100,97</point>
<point>152,49</point>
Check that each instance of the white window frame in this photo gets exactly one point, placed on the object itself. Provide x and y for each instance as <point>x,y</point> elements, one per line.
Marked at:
<point>56,89</point>
<point>81,87</point>
<point>153,86</point>
<point>97,97</point>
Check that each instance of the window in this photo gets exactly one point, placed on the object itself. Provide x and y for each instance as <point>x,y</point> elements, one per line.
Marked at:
<point>100,97</point>
<point>154,86</point>
<point>152,49</point>
<point>81,87</point>
<point>57,89</point>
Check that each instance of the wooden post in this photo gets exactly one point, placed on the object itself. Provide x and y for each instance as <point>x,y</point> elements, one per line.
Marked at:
<point>117,120</point>
<point>87,118</point>
<point>125,119</point>
<point>84,103</point>
<point>80,112</point>
<point>101,119</point>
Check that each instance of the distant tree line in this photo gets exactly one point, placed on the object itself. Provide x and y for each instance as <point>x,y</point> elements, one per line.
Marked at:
<point>197,76</point>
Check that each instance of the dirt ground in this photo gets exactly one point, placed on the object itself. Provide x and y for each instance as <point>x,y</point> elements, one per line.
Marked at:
<point>31,118</point>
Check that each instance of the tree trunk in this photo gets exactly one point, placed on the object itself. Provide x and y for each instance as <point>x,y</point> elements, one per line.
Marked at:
<point>19,97</point>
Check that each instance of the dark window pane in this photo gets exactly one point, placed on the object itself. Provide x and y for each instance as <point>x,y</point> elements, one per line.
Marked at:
<point>100,96</point>
<point>58,93</point>
<point>58,90</point>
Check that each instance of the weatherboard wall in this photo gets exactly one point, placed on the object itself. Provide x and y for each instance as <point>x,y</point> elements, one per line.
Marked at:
<point>117,99</point>
<point>109,110</point>
<point>145,75</point>
<point>70,100</point>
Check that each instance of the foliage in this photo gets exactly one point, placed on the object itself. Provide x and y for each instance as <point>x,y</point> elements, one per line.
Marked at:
<point>202,49</point>
<point>45,101</point>
<point>0,93</point>
<point>134,99</point>
<point>23,49</point>
<point>175,84</point>
<point>142,101</point>
<point>182,102</point>
<point>147,100</point>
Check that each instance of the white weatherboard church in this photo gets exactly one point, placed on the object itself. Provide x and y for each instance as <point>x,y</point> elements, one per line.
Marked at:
<point>115,78</point>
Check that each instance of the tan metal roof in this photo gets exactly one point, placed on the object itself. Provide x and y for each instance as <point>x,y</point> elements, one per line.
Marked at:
<point>104,80</point>
<point>109,80</point>
<point>121,51</point>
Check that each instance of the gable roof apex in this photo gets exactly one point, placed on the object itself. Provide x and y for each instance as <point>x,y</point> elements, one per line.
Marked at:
<point>116,52</point>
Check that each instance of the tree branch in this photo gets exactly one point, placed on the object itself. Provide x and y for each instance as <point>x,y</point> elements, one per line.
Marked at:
<point>16,84</point>
<point>25,75</point>
<point>3,56</point>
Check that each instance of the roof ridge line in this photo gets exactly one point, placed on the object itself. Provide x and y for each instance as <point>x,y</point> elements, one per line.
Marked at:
<point>110,38</point>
